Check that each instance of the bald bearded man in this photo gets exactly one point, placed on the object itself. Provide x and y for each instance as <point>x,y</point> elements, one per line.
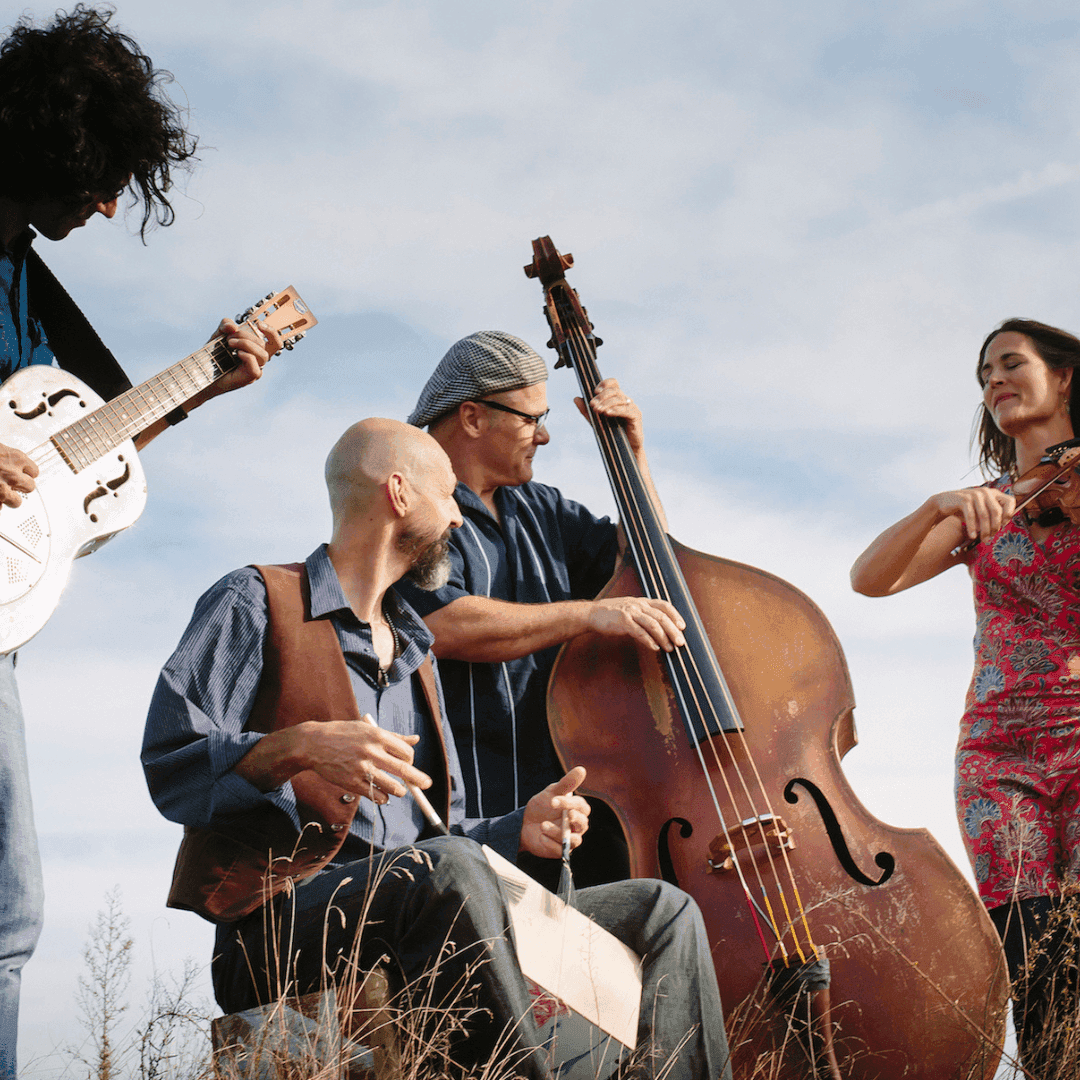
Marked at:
<point>298,705</point>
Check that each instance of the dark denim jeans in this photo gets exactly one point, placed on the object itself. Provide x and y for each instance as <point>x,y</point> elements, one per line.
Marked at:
<point>22,897</point>
<point>452,894</point>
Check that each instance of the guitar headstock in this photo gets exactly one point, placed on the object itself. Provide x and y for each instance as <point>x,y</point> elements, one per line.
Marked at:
<point>283,312</point>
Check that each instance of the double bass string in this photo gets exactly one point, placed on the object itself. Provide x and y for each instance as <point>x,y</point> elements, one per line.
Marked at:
<point>687,679</point>
<point>612,439</point>
<point>618,458</point>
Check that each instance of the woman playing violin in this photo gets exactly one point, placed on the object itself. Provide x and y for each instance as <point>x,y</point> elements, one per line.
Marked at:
<point>1018,758</point>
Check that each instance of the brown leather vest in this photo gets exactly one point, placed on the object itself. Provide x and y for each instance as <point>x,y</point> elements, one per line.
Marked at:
<point>224,873</point>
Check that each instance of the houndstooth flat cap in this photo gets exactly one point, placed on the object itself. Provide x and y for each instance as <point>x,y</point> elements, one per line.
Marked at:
<point>484,363</point>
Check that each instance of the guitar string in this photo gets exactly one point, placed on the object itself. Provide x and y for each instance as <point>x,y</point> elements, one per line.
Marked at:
<point>629,498</point>
<point>155,404</point>
<point>86,440</point>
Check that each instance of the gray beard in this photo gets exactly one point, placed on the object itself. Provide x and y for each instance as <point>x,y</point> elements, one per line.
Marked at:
<point>430,569</point>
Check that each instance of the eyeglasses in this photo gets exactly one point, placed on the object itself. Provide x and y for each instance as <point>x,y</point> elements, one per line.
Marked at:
<point>536,421</point>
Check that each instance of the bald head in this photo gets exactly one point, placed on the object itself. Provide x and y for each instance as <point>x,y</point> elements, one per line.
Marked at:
<point>368,454</point>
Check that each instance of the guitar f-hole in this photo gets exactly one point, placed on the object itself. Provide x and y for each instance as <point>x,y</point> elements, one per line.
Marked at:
<point>28,415</point>
<point>122,479</point>
<point>95,494</point>
<point>49,403</point>
<point>109,485</point>
<point>60,395</point>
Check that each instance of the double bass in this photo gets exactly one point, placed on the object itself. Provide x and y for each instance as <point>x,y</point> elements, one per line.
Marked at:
<point>843,947</point>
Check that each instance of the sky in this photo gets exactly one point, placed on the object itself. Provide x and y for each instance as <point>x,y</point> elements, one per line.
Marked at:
<point>793,224</point>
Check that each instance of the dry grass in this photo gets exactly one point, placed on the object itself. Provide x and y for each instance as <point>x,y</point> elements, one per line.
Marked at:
<point>365,1031</point>
<point>775,1038</point>
<point>1049,986</point>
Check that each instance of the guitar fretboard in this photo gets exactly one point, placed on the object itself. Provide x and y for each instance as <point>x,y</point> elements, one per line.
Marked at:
<point>82,443</point>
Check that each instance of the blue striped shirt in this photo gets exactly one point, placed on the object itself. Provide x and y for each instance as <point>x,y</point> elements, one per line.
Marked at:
<point>22,341</point>
<point>195,728</point>
<point>547,548</point>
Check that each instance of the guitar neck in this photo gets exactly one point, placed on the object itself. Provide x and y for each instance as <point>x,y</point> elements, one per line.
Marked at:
<point>86,440</point>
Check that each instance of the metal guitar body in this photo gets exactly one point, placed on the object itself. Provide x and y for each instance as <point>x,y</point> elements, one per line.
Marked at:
<point>70,513</point>
<point>91,485</point>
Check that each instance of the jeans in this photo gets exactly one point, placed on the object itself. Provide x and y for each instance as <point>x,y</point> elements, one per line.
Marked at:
<point>22,896</point>
<point>444,889</point>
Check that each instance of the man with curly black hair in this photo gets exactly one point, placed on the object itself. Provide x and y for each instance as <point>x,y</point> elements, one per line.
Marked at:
<point>83,118</point>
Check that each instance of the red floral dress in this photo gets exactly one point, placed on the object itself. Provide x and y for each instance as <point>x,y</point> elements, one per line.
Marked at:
<point>1018,759</point>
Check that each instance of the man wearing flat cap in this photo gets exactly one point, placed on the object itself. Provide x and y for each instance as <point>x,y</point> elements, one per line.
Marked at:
<point>527,563</point>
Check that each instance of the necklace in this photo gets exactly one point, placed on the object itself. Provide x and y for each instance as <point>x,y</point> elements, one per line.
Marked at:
<point>384,668</point>
<point>394,635</point>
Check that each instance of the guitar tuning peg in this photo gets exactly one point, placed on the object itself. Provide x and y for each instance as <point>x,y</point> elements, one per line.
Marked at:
<point>269,296</point>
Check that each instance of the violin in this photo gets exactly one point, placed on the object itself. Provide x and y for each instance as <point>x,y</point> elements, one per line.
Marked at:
<point>843,947</point>
<point>1055,494</point>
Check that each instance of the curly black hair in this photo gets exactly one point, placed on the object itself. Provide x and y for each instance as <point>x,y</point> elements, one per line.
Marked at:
<point>81,110</point>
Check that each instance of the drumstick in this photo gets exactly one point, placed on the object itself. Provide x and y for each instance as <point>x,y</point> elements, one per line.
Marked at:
<point>419,797</point>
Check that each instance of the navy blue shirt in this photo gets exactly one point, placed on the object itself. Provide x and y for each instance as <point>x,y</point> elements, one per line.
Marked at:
<point>195,728</point>
<point>548,548</point>
<point>22,341</point>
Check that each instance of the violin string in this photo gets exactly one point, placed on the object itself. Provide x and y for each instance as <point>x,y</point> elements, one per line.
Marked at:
<point>652,578</point>
<point>617,452</point>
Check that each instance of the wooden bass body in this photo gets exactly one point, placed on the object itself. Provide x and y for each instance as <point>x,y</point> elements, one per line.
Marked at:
<point>919,986</point>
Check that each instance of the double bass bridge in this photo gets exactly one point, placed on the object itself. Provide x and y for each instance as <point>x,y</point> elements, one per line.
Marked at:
<point>767,831</point>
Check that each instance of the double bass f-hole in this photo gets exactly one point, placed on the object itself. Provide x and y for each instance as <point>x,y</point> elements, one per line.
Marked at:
<point>663,849</point>
<point>885,862</point>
